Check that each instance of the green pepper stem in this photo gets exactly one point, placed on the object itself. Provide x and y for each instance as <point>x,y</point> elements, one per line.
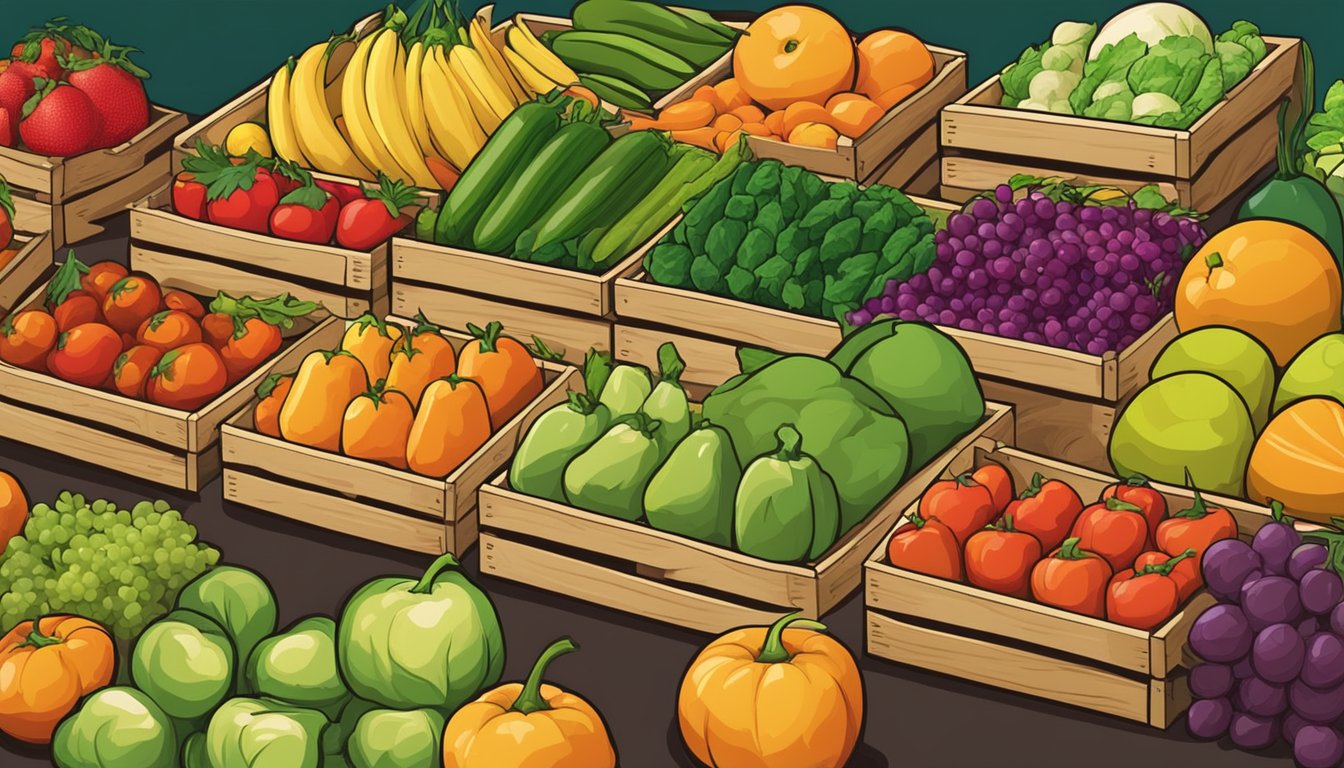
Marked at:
<point>1164,569</point>
<point>529,699</point>
<point>426,582</point>
<point>790,443</point>
<point>489,336</point>
<point>773,651</point>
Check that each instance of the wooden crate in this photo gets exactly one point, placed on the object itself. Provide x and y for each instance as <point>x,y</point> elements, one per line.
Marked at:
<point>637,569</point>
<point>210,258</point>
<point>369,500</point>
<point>571,311</point>
<point>984,143</point>
<point>900,150</point>
<point>174,448</point>
<point>68,196</point>
<point>30,267</point>
<point>1023,646</point>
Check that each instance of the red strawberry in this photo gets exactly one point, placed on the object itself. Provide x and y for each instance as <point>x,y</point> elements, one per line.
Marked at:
<point>113,83</point>
<point>189,196</point>
<point>15,89</point>
<point>9,128</point>
<point>36,57</point>
<point>242,197</point>
<point>59,120</point>
<point>307,214</point>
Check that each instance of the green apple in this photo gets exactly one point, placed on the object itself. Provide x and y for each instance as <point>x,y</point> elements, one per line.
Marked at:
<point>1193,421</point>
<point>1232,356</point>
<point>1317,371</point>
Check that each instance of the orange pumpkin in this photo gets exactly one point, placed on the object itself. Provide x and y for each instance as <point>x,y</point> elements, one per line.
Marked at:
<point>376,427</point>
<point>529,725</point>
<point>315,407</point>
<point>794,53</point>
<point>1275,281</point>
<point>1299,460</point>
<point>783,697</point>
<point>371,341</point>
<point>889,58</point>
<point>13,509</point>
<point>506,371</point>
<point>271,396</point>
<point>452,422</point>
<point>45,669</point>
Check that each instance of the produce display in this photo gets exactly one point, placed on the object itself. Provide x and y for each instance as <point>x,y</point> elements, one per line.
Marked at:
<point>777,463</point>
<point>403,397</point>
<point>104,328</point>
<point>1088,269</point>
<point>256,194</point>
<point>782,237</point>
<point>1250,397</point>
<point>1273,657</point>
<point>800,77</point>
<point>1123,558</point>
<point>631,52</point>
<point>1152,64</point>
<point>1323,159</point>
<point>552,187</point>
<point>68,90</point>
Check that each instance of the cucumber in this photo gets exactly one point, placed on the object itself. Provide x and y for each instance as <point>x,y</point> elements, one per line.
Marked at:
<point>608,53</point>
<point>614,90</point>
<point>655,25</point>
<point>708,22</point>
<point>518,138</point>
<point>528,196</point>
<point>619,177</point>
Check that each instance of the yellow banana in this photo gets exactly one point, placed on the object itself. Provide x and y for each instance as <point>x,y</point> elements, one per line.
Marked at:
<point>364,138</point>
<point>279,120</point>
<point>415,99</point>
<point>494,60</point>
<point>452,126</point>
<point>318,136</point>
<point>527,45</point>
<point>385,87</point>
<point>533,80</point>
<point>469,69</point>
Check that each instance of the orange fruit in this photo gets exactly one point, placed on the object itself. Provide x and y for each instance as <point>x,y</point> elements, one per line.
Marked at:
<point>890,57</point>
<point>794,53</point>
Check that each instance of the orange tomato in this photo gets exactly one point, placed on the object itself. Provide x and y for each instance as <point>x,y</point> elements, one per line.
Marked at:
<point>77,308</point>
<point>46,667</point>
<point>130,373</point>
<point>1047,509</point>
<point>187,378</point>
<point>372,341</point>
<point>100,278</point>
<point>169,329</point>
<point>1185,572</point>
<point>217,328</point>
<point>794,53</point>
<point>505,370</point>
<point>853,116</point>
<point>1001,559</point>
<point>26,338</point>
<point>1145,598</point>
<point>928,547</point>
<point>452,422</point>
<point>315,407</point>
<point>889,58</point>
<point>422,356</point>
<point>13,509</point>
<point>243,353</point>
<point>271,395</point>
<point>130,301</point>
<point>85,354</point>
<point>1114,529</point>
<point>184,302</point>
<point>1072,579</point>
<point>377,427</point>
<point>1271,279</point>
<point>1197,528</point>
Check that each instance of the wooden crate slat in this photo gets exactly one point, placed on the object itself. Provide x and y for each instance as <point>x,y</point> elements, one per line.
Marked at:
<point>903,168</point>
<point>1252,149</point>
<point>1276,75</point>
<point>708,363</point>
<point>96,169</point>
<point>26,170</point>
<point>965,176</point>
<point>35,216</point>
<point>152,422</point>
<point>1074,428</point>
<point>26,272</point>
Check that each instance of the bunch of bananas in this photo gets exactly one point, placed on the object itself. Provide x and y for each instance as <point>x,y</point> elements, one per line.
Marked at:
<point>415,104</point>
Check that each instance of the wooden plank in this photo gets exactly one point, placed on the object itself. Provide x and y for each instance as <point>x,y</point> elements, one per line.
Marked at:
<point>1244,156</point>
<point>1168,641</point>
<point>1260,91</point>
<point>335,513</point>
<point>1009,668</point>
<point>202,468</point>
<point>98,169</point>
<point>1169,700</point>
<point>570,335</point>
<point>906,165</point>
<point>81,214</point>
<point>33,216</point>
<point>608,588</point>
<point>972,174</point>
<point>26,271</point>
<point>28,170</point>
<point>709,363</point>
<point>1073,428</point>
<point>912,116</point>
<point>1135,361</point>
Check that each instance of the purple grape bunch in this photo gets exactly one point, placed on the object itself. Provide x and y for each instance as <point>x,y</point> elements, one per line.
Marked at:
<point>1272,648</point>
<point>1084,277</point>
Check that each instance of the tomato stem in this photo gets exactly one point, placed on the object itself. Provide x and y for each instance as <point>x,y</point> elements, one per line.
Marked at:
<point>773,650</point>
<point>1116,504</point>
<point>530,699</point>
<point>1163,569</point>
<point>1198,508</point>
<point>36,639</point>
<point>1034,487</point>
<point>1070,550</point>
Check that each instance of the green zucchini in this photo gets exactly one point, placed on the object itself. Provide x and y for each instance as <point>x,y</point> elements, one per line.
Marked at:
<point>514,143</point>
<point>616,91</point>
<point>608,53</point>
<point>528,195</point>
<point>704,19</point>
<point>619,177</point>
<point>654,24</point>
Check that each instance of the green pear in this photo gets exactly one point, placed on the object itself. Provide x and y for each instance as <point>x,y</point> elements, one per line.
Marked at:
<point>1192,421</point>
<point>1232,356</point>
<point>1317,371</point>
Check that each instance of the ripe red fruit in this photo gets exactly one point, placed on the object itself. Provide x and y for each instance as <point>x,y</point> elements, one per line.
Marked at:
<point>307,214</point>
<point>9,128</point>
<point>245,201</point>
<point>113,85</point>
<point>36,56</point>
<point>15,89</point>
<point>59,120</point>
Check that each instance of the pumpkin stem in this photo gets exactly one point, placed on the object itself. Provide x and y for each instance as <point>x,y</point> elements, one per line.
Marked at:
<point>426,583</point>
<point>773,651</point>
<point>529,699</point>
<point>36,639</point>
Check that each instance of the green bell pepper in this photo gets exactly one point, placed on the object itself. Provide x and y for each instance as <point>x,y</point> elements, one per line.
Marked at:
<point>786,508</point>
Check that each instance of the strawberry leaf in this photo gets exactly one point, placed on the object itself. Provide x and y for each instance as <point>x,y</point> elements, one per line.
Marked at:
<point>44,88</point>
<point>65,281</point>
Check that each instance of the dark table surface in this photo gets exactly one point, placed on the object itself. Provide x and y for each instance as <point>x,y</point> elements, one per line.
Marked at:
<point>630,668</point>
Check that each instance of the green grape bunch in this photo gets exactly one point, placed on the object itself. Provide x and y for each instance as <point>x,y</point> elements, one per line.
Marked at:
<point>122,568</point>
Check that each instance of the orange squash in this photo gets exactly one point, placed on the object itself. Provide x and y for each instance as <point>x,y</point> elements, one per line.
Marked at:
<point>271,395</point>
<point>708,93</point>
<point>529,725</point>
<point>685,115</point>
<point>889,58</point>
<point>421,356</point>
<point>731,94</point>
<point>377,426</point>
<point>13,509</point>
<point>782,697</point>
<point>1298,460</point>
<point>794,53</point>
<point>371,341</point>
<point>452,422</point>
<point>505,370</point>
<point>315,407</point>
<point>1273,280</point>
<point>46,668</point>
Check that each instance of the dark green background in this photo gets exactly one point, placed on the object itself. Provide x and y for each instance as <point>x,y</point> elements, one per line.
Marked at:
<point>204,52</point>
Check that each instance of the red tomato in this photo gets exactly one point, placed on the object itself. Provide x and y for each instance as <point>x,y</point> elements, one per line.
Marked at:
<point>1185,573</point>
<point>187,378</point>
<point>1047,510</point>
<point>85,354</point>
<point>1000,485</point>
<point>1073,580</point>
<point>78,308</point>
<point>1114,529</point>
<point>1195,528</point>
<point>184,302</point>
<point>100,278</point>
<point>1145,598</point>
<point>130,302</point>
<point>961,504</point>
<point>169,329</point>
<point>380,214</point>
<point>927,547</point>
<point>131,371</point>
<point>307,214</point>
<point>189,196</point>
<point>246,201</point>
<point>344,193</point>
<point>1001,558</point>
<point>27,337</point>
<point>1138,492</point>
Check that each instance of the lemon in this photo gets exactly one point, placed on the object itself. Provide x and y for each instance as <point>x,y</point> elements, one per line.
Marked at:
<point>245,136</point>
